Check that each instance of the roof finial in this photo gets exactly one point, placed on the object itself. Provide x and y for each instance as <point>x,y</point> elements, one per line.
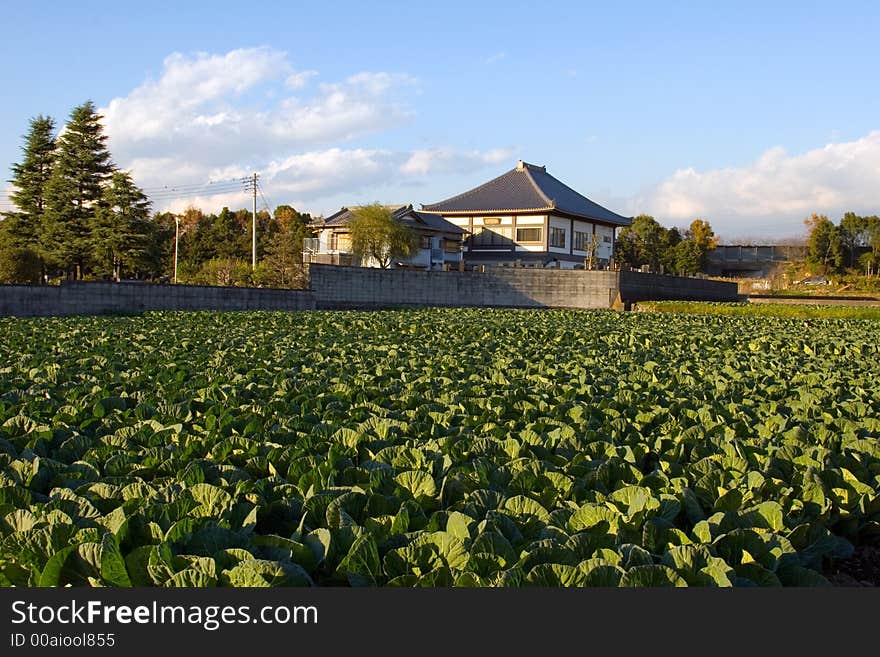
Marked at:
<point>520,165</point>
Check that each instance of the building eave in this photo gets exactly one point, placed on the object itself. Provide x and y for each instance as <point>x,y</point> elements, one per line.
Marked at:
<point>583,217</point>
<point>531,211</point>
<point>494,211</point>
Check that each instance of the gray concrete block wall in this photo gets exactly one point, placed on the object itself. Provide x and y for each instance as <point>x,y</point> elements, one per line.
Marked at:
<point>94,298</point>
<point>355,287</point>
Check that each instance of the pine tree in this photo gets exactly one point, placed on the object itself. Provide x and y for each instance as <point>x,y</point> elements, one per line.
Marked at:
<point>74,192</point>
<point>121,233</point>
<point>22,228</point>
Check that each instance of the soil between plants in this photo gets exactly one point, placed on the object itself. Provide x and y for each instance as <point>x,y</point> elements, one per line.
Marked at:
<point>861,569</point>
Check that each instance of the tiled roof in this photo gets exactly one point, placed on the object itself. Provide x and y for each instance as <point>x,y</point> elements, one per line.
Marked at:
<point>403,214</point>
<point>526,188</point>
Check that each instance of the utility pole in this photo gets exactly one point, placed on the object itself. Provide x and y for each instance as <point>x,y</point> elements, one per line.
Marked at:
<point>176,239</point>
<point>251,186</point>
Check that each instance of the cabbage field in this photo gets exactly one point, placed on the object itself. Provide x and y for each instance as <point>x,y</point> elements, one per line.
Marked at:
<point>436,447</point>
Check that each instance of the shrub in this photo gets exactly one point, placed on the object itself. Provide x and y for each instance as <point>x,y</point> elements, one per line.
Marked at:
<point>19,265</point>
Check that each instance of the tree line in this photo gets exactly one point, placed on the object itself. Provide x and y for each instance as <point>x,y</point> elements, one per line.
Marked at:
<point>646,243</point>
<point>78,216</point>
<point>853,243</point>
<point>215,249</point>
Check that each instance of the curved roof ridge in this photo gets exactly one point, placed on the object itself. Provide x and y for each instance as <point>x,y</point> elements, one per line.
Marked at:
<point>470,191</point>
<point>528,170</point>
<point>530,188</point>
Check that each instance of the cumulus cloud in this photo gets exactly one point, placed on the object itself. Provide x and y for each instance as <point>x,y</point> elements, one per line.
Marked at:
<point>330,171</point>
<point>299,80</point>
<point>226,107</point>
<point>773,194</point>
<point>219,117</point>
<point>188,85</point>
<point>448,160</point>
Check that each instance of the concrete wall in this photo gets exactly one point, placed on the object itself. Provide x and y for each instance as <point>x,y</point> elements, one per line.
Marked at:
<point>501,286</point>
<point>356,287</point>
<point>92,298</point>
<point>636,286</point>
<point>351,287</point>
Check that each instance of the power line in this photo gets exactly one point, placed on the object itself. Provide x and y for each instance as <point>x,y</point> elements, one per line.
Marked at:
<point>195,188</point>
<point>164,193</point>
<point>160,199</point>
<point>171,197</point>
<point>263,196</point>
<point>161,193</point>
<point>226,181</point>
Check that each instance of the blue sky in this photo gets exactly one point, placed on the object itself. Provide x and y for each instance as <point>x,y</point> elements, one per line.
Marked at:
<point>748,115</point>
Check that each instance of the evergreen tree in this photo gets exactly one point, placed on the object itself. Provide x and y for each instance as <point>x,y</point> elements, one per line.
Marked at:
<point>642,243</point>
<point>646,242</point>
<point>198,243</point>
<point>231,235</point>
<point>687,258</point>
<point>74,191</point>
<point>669,256</point>
<point>161,257</point>
<point>283,259</point>
<point>853,229</point>
<point>825,249</point>
<point>22,228</point>
<point>121,233</point>
<point>19,265</point>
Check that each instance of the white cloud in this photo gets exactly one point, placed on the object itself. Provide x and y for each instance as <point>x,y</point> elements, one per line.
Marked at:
<point>773,194</point>
<point>296,81</point>
<point>330,171</point>
<point>169,105</point>
<point>447,160</point>
<point>220,117</point>
<point>495,58</point>
<point>206,109</point>
<point>321,177</point>
<point>6,204</point>
<point>343,110</point>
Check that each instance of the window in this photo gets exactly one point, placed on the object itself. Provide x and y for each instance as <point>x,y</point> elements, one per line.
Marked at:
<point>529,234</point>
<point>450,246</point>
<point>340,242</point>
<point>492,237</point>
<point>606,239</point>
<point>557,237</point>
<point>581,240</point>
<point>425,242</point>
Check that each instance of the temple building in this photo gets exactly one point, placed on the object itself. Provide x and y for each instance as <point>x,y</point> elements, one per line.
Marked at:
<point>528,217</point>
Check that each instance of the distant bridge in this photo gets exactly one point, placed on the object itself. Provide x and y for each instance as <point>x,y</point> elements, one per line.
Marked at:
<point>753,261</point>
